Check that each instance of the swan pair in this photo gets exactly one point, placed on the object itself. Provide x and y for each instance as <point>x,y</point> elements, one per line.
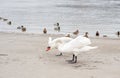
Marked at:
<point>69,45</point>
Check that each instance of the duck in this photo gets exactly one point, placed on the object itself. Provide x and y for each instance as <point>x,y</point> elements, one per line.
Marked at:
<point>1,18</point>
<point>76,32</point>
<point>18,27</point>
<point>23,29</point>
<point>68,35</point>
<point>45,31</point>
<point>72,34</point>
<point>57,27</point>
<point>4,19</point>
<point>74,46</point>
<point>86,34</point>
<point>9,23</point>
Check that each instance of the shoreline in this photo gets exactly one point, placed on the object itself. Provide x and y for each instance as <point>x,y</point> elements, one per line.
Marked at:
<point>24,33</point>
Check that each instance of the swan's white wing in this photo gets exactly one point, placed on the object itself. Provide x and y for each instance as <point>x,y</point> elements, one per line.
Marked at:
<point>78,42</point>
<point>65,39</point>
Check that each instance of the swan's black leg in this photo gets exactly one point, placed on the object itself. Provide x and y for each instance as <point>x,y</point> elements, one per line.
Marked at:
<point>59,54</point>
<point>75,59</point>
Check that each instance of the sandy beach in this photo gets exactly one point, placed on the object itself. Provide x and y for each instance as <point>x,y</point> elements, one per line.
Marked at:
<point>24,56</point>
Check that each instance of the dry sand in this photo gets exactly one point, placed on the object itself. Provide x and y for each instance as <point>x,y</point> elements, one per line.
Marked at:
<point>24,56</point>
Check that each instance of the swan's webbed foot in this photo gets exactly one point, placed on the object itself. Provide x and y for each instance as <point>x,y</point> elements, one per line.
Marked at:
<point>59,54</point>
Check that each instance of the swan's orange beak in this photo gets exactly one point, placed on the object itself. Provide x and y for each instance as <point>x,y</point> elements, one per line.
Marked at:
<point>48,48</point>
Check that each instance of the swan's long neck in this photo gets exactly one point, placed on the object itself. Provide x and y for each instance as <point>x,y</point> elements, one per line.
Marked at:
<point>60,47</point>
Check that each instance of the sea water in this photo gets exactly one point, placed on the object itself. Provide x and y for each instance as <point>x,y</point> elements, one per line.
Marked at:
<point>85,15</point>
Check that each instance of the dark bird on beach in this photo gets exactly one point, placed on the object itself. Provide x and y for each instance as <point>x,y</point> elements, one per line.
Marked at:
<point>5,19</point>
<point>23,28</point>
<point>68,35</point>
<point>97,34</point>
<point>57,27</point>
<point>1,18</point>
<point>45,31</point>
<point>104,35</point>
<point>19,27</point>
<point>86,34</point>
<point>9,23</point>
<point>76,32</point>
<point>118,33</point>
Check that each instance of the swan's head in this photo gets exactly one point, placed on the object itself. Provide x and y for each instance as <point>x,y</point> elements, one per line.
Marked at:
<point>53,44</point>
<point>48,48</point>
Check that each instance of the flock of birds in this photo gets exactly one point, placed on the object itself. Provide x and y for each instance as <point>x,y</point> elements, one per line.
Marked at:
<point>66,44</point>
<point>23,29</point>
<point>56,28</point>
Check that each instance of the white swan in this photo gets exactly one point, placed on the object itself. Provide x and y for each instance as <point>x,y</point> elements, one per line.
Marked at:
<point>75,46</point>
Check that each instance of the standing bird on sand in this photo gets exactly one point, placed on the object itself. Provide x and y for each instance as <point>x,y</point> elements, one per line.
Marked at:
<point>45,31</point>
<point>23,29</point>
<point>75,46</point>
<point>5,19</point>
<point>76,32</point>
<point>97,34</point>
<point>9,23</point>
<point>86,34</point>
<point>57,27</point>
<point>1,18</point>
<point>118,33</point>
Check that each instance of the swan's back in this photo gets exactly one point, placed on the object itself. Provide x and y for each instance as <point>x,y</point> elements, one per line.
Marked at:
<point>62,40</point>
<point>78,42</point>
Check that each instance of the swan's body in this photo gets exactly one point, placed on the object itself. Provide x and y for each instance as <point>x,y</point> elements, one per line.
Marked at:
<point>74,46</point>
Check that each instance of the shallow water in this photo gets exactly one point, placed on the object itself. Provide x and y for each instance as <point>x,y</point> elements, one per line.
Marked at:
<point>85,15</point>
